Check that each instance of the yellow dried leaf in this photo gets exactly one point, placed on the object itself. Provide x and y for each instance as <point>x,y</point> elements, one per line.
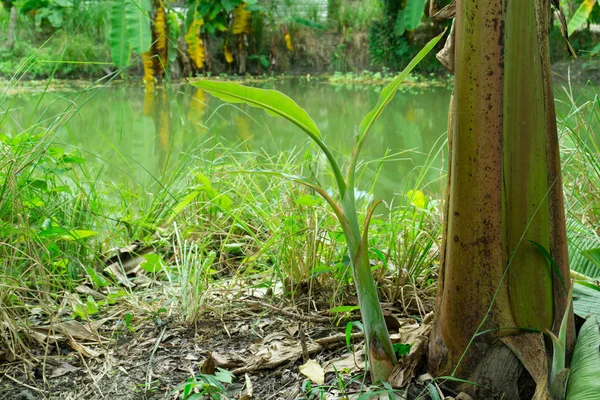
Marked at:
<point>241,20</point>
<point>313,371</point>
<point>149,99</point>
<point>160,33</point>
<point>195,45</point>
<point>288,42</point>
<point>148,67</point>
<point>227,53</point>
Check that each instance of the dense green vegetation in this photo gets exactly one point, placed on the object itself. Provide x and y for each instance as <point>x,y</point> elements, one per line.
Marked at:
<point>89,39</point>
<point>98,249</point>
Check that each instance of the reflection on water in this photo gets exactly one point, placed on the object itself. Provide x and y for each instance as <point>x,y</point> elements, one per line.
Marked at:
<point>135,132</point>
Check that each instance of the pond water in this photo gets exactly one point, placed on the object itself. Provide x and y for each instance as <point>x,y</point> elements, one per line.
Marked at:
<point>131,133</point>
<point>135,135</point>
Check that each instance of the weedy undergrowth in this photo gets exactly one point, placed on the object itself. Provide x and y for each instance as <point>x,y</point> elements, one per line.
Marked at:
<point>382,357</point>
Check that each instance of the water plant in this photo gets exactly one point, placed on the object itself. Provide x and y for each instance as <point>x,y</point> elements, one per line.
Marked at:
<point>380,352</point>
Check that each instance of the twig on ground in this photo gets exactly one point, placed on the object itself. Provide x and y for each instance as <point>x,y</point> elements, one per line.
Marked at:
<point>18,382</point>
<point>332,341</point>
<point>304,318</point>
<point>89,371</point>
<point>305,356</point>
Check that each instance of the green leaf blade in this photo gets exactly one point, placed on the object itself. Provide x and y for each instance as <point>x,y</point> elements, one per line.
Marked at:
<point>138,24</point>
<point>120,49</point>
<point>586,300</point>
<point>388,92</point>
<point>581,15</point>
<point>584,382</point>
<point>276,104</point>
<point>414,12</point>
<point>273,102</point>
<point>400,25</point>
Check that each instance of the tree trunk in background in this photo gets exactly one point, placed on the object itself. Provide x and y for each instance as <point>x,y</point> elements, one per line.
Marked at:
<point>12,26</point>
<point>242,53</point>
<point>505,192</point>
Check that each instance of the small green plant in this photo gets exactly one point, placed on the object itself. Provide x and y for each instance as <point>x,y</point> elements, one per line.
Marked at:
<point>205,386</point>
<point>313,393</point>
<point>381,355</point>
<point>52,10</point>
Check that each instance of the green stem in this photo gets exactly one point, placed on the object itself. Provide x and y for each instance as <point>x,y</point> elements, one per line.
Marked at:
<point>377,340</point>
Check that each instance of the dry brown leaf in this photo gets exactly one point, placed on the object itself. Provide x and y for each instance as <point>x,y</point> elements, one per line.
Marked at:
<point>292,329</point>
<point>418,337</point>
<point>227,362</point>
<point>63,330</point>
<point>446,55</point>
<point>445,13</point>
<point>83,289</point>
<point>273,350</point>
<point>208,366</point>
<point>63,369</point>
<point>351,362</point>
<point>313,371</point>
<point>248,395</point>
<point>114,269</point>
<point>84,350</point>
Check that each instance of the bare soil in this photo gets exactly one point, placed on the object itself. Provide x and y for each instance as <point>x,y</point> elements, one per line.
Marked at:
<point>261,343</point>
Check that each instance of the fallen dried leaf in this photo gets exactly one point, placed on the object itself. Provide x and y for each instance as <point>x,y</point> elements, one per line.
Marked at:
<point>350,363</point>
<point>248,395</point>
<point>227,362</point>
<point>84,350</point>
<point>63,330</point>
<point>313,371</point>
<point>83,289</point>
<point>63,369</point>
<point>208,366</point>
<point>418,337</point>
<point>292,329</point>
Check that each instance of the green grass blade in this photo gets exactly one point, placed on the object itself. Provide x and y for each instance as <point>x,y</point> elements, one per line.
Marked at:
<point>551,261</point>
<point>339,213</point>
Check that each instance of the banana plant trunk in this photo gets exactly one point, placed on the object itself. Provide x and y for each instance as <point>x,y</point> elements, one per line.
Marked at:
<point>504,210</point>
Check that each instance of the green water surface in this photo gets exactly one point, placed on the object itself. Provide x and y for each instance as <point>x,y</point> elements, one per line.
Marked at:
<point>132,135</point>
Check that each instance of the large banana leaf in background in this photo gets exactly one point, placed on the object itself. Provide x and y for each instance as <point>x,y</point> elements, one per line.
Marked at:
<point>120,49</point>
<point>138,24</point>
<point>172,36</point>
<point>581,15</point>
<point>413,13</point>
<point>584,379</point>
<point>584,258</point>
<point>584,250</point>
<point>586,299</point>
